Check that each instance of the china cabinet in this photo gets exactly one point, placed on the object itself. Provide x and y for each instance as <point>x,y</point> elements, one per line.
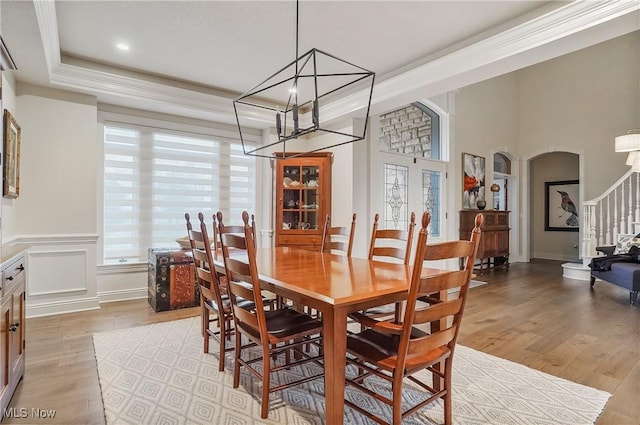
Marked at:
<point>493,250</point>
<point>302,199</point>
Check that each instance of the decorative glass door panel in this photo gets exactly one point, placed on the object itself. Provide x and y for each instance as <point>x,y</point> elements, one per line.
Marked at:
<point>409,185</point>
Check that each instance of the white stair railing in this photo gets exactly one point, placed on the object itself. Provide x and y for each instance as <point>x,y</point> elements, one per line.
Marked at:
<point>608,215</point>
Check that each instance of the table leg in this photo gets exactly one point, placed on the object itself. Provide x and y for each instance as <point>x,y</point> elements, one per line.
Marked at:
<point>335,350</point>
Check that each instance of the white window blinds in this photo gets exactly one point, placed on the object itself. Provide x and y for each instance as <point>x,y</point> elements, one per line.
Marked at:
<point>153,176</point>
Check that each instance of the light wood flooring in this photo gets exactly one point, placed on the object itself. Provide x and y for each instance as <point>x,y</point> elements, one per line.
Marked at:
<point>529,315</point>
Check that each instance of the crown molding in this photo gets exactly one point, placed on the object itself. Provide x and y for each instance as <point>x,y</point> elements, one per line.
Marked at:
<point>553,25</point>
<point>48,25</point>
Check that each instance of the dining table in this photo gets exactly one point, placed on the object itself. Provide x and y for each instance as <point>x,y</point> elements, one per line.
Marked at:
<point>335,285</point>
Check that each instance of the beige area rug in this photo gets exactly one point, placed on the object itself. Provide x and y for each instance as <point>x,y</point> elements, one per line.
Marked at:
<point>157,374</point>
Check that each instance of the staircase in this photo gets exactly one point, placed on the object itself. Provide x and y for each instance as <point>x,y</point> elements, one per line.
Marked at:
<point>615,212</point>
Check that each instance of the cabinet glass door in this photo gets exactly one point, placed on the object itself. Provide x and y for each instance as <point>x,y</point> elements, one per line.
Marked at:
<point>301,197</point>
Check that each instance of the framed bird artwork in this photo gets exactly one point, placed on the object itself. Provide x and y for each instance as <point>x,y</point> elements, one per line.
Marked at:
<point>561,203</point>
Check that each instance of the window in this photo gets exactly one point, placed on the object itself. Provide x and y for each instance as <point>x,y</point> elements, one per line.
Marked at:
<point>412,130</point>
<point>153,176</point>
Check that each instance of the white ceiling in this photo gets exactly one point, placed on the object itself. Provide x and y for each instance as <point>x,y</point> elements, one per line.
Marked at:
<point>192,57</point>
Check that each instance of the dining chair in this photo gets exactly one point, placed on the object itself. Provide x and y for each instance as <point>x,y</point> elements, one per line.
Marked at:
<point>269,298</point>
<point>386,245</point>
<point>238,228</point>
<point>384,241</point>
<point>213,294</point>
<point>426,337</point>
<point>338,238</point>
<point>274,332</point>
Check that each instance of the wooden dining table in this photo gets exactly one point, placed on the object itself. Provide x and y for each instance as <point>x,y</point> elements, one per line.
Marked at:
<point>336,286</point>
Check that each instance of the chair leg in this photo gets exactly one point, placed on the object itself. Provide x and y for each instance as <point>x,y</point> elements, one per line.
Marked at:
<point>447,396</point>
<point>266,375</point>
<point>397,399</point>
<point>203,313</point>
<point>222,322</point>
<point>204,322</point>
<point>236,360</point>
<point>592,280</point>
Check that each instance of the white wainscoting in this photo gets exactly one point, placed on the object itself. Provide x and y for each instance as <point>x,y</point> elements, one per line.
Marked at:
<point>61,273</point>
<point>66,269</point>
<point>120,282</point>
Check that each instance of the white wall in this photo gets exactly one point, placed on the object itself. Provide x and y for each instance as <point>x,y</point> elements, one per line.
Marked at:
<point>575,103</point>
<point>55,214</point>
<point>581,101</point>
<point>578,103</point>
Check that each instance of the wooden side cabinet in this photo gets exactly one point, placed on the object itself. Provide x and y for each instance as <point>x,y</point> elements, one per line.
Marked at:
<point>12,326</point>
<point>493,250</point>
<point>302,199</point>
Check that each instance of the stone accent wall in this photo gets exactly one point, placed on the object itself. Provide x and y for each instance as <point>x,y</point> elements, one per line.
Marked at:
<point>407,131</point>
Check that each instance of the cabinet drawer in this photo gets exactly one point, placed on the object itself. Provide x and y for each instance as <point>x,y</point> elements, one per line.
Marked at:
<point>295,240</point>
<point>13,274</point>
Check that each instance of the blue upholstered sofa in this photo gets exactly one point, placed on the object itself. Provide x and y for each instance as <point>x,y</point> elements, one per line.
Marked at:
<point>624,274</point>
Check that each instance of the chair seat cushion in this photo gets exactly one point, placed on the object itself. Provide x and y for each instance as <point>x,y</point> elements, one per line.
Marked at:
<point>285,324</point>
<point>381,349</point>
<point>226,304</point>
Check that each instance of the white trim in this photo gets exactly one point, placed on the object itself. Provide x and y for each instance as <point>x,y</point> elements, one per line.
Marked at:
<point>525,219</point>
<point>83,254</point>
<point>62,307</point>
<point>48,25</point>
<point>115,268</point>
<point>123,295</point>
<point>33,240</point>
<point>576,271</point>
<point>515,190</point>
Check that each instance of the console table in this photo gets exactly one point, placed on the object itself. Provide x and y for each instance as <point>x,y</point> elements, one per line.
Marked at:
<point>493,250</point>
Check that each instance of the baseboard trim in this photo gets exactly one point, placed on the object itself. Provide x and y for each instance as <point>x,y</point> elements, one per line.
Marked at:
<point>122,295</point>
<point>61,307</point>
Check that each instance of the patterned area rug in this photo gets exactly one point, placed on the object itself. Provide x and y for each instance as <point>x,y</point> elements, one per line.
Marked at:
<point>157,374</point>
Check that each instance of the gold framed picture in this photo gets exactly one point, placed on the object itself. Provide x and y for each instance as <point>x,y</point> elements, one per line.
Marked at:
<point>11,187</point>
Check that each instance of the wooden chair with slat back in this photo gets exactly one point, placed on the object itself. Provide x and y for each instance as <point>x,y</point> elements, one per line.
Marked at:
<point>384,245</point>
<point>268,298</point>
<point>275,331</point>
<point>218,219</point>
<point>338,238</point>
<point>426,337</point>
<point>378,247</point>
<point>213,298</point>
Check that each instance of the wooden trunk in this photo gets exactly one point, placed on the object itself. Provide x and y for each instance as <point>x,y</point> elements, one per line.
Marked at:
<point>172,282</point>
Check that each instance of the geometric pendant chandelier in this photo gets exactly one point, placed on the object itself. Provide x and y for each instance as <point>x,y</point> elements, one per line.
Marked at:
<point>300,99</point>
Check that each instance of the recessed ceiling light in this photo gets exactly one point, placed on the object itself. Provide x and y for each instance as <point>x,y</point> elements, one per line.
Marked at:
<point>123,46</point>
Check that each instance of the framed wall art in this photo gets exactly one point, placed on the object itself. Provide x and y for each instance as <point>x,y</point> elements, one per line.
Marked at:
<point>11,157</point>
<point>473,180</point>
<point>561,205</point>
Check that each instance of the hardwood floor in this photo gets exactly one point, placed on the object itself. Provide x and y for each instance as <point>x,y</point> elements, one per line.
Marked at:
<point>530,315</point>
